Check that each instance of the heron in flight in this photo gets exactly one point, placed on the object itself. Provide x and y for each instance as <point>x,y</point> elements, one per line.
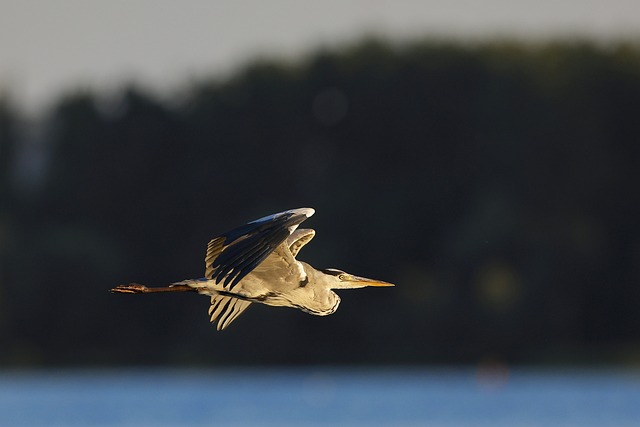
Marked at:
<point>257,263</point>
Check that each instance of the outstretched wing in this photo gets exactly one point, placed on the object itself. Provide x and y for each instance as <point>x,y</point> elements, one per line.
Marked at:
<point>298,239</point>
<point>282,260</point>
<point>227,309</point>
<point>233,255</point>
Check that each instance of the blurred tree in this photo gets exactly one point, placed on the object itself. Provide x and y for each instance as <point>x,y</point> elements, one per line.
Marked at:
<point>7,141</point>
<point>494,183</point>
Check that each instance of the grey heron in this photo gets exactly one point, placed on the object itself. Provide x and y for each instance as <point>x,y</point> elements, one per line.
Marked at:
<point>257,262</point>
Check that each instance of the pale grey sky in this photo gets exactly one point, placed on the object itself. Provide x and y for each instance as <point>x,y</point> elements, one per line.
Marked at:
<point>52,46</point>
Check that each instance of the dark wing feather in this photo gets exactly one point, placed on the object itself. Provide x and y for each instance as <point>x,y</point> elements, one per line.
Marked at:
<point>233,255</point>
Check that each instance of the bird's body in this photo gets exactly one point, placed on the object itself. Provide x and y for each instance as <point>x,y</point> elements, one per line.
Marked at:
<point>257,263</point>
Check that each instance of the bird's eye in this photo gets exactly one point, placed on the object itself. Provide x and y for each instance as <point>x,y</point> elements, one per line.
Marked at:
<point>342,276</point>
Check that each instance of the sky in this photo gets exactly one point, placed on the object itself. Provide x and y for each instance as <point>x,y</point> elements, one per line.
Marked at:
<point>48,48</point>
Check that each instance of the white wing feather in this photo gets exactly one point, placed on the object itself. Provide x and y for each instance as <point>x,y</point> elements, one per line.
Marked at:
<point>227,309</point>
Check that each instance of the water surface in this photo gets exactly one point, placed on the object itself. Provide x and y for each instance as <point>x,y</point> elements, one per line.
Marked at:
<point>320,397</point>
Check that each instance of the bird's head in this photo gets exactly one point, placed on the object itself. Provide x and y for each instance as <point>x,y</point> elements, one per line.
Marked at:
<point>342,280</point>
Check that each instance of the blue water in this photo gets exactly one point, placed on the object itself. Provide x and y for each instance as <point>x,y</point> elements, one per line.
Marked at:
<point>320,397</point>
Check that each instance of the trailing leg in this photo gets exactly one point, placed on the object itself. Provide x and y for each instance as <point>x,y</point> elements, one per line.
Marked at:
<point>135,288</point>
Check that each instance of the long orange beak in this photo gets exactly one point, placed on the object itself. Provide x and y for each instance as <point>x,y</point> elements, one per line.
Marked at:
<point>370,282</point>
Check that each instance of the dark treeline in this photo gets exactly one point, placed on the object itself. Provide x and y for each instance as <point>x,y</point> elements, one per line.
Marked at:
<point>496,184</point>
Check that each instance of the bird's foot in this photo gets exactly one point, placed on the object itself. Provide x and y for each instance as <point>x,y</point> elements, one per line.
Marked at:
<point>132,288</point>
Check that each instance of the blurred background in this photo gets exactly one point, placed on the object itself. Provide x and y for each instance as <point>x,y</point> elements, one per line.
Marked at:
<point>483,158</point>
